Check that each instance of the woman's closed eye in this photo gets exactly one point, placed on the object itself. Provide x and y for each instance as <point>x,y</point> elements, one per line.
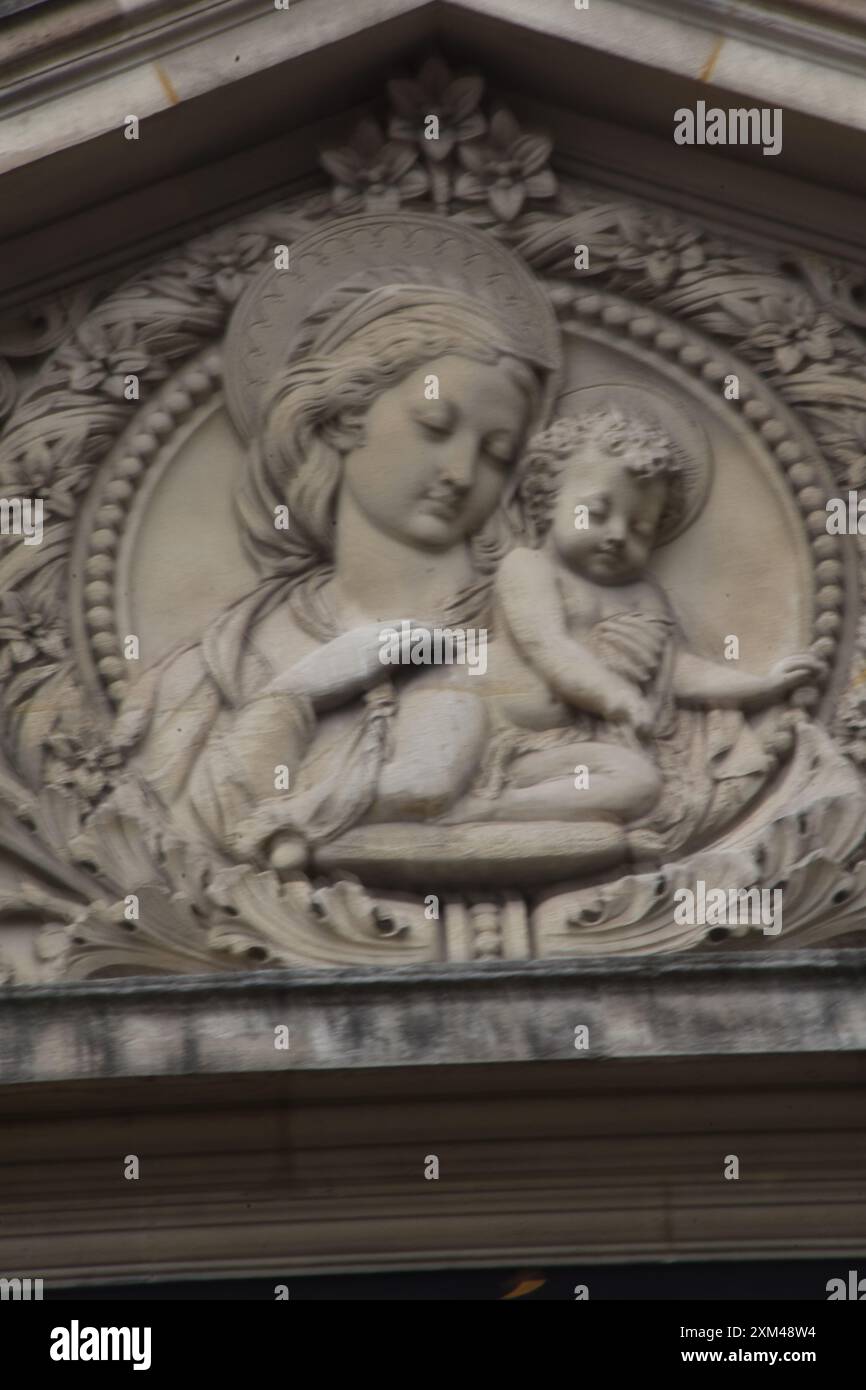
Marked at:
<point>500,447</point>
<point>435,429</point>
<point>435,422</point>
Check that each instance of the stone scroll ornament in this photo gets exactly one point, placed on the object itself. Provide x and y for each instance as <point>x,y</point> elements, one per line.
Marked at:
<point>550,804</point>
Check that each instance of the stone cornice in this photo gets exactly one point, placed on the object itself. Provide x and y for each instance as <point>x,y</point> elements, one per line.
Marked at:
<point>165,56</point>
<point>826,31</point>
<point>234,98</point>
<point>636,1010</point>
<point>158,62</point>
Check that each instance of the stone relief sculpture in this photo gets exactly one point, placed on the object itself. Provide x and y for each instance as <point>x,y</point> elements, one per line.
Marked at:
<point>596,635</point>
<point>393,499</point>
<point>436,421</point>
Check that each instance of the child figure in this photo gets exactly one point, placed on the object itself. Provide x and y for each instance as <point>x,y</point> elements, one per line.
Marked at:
<point>593,647</point>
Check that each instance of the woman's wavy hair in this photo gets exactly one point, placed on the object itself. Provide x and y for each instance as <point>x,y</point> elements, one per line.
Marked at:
<point>315,416</point>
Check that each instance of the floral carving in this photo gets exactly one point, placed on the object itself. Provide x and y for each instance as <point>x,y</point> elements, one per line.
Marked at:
<point>33,331</point>
<point>453,100</point>
<point>30,630</point>
<point>788,327</point>
<point>844,439</point>
<point>660,245</point>
<point>50,468</point>
<point>506,169</point>
<point>223,261</point>
<point>470,158</point>
<point>373,174</point>
<point>99,359</point>
<point>82,761</point>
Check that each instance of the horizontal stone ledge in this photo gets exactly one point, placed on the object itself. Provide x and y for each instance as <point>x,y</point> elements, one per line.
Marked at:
<point>700,1006</point>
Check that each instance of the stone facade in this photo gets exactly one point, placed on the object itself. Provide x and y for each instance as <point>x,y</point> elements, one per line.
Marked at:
<point>431,600</point>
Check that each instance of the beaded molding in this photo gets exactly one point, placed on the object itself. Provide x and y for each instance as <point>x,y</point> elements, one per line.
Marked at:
<point>141,448</point>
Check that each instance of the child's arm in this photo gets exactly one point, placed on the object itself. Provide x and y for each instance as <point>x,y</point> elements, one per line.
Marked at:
<point>532,607</point>
<point>703,683</point>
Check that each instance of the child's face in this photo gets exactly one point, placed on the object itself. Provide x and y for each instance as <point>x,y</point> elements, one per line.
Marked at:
<point>605,518</point>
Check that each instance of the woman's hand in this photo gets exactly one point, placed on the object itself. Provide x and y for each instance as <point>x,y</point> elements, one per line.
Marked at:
<point>344,667</point>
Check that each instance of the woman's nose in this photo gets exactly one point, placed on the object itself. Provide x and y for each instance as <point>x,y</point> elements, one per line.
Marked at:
<point>457,464</point>
<point>615,529</point>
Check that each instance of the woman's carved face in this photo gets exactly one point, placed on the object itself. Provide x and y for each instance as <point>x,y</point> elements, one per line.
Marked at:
<point>432,467</point>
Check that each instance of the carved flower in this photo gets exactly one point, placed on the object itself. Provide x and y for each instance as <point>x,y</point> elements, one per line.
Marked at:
<point>374,174</point>
<point>100,357</point>
<point>44,460</point>
<point>38,464</point>
<point>791,327</point>
<point>61,500</point>
<point>506,168</point>
<point>225,259</point>
<point>660,245</point>
<point>454,101</point>
<point>29,630</point>
<point>83,762</point>
<point>845,442</point>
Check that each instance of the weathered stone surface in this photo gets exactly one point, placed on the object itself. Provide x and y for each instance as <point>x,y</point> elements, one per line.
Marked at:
<point>497,1013</point>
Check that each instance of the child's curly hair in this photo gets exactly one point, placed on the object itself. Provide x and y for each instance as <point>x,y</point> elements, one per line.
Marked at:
<point>647,452</point>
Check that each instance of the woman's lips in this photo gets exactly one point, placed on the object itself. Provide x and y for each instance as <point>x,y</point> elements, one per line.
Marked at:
<point>441,505</point>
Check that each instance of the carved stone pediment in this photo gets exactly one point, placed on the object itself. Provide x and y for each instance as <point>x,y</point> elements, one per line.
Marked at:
<point>583,444</point>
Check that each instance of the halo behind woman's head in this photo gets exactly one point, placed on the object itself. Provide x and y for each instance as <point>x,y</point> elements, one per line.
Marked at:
<point>349,273</point>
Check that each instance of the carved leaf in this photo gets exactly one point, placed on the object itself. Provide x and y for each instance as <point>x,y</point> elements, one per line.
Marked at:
<point>275,923</point>
<point>167,938</point>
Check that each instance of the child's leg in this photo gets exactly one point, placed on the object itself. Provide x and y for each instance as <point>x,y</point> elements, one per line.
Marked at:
<point>546,785</point>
